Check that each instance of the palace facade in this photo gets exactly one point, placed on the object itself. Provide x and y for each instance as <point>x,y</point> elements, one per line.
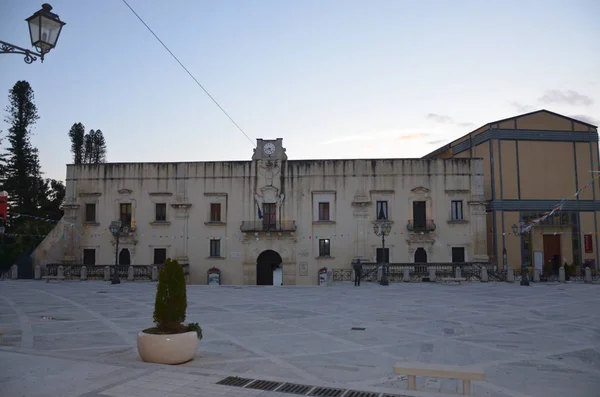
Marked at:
<point>270,216</point>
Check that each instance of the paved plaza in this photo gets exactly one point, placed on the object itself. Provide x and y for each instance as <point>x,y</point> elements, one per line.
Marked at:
<point>77,339</point>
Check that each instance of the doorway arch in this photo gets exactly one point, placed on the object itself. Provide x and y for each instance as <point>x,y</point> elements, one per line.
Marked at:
<point>420,255</point>
<point>124,257</point>
<point>266,262</point>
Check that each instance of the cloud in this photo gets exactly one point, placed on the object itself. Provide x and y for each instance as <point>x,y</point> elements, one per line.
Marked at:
<point>381,135</point>
<point>437,142</point>
<point>466,124</point>
<point>439,118</point>
<point>569,97</point>
<point>349,138</point>
<point>586,119</point>
<point>522,108</point>
<point>407,137</point>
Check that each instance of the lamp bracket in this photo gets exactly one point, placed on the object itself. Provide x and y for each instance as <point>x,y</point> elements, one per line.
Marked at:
<point>30,56</point>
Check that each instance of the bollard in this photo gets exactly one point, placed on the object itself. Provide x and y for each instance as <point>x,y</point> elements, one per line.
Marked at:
<point>154,273</point>
<point>510,275</point>
<point>457,272</point>
<point>484,275</point>
<point>406,275</point>
<point>130,274</point>
<point>14,272</point>
<point>106,273</point>
<point>536,275</point>
<point>60,273</point>
<point>561,275</point>
<point>431,274</point>
<point>588,275</point>
<point>83,274</point>
<point>37,273</point>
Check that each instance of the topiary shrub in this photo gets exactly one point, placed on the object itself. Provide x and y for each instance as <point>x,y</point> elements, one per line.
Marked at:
<point>170,304</point>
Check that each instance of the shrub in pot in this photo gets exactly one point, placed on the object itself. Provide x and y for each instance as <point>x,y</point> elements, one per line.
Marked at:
<point>170,341</point>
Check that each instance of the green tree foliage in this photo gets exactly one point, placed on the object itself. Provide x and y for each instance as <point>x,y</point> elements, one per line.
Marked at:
<point>94,147</point>
<point>22,169</point>
<point>77,136</point>
<point>171,299</point>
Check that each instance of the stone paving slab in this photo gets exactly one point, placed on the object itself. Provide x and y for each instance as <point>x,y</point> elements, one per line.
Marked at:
<point>77,339</point>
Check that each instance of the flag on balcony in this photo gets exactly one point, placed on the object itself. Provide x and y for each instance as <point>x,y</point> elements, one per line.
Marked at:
<point>260,215</point>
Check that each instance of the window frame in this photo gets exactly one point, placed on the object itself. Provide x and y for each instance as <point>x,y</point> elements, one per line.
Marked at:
<point>84,256</point>
<point>215,212</point>
<point>457,210</point>
<point>156,212</point>
<point>87,213</point>
<point>324,248</point>
<point>154,255</point>
<point>385,206</point>
<point>215,249</point>
<point>125,222</point>
<point>322,206</point>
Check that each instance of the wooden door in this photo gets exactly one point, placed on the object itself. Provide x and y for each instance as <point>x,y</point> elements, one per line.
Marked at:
<point>552,250</point>
<point>419,215</point>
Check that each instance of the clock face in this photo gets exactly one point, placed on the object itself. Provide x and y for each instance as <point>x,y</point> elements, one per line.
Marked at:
<point>269,149</point>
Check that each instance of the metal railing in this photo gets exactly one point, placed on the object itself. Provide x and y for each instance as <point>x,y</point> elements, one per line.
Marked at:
<point>427,226</point>
<point>263,226</point>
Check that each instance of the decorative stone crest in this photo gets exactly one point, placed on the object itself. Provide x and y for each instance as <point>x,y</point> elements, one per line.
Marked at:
<point>269,169</point>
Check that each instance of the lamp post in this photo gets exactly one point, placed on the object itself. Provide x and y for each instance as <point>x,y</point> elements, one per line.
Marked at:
<point>383,229</point>
<point>524,271</point>
<point>116,227</point>
<point>44,29</point>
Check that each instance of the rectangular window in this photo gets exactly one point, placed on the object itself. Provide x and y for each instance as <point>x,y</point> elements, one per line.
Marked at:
<point>324,212</point>
<point>419,215</point>
<point>215,212</point>
<point>161,212</point>
<point>383,255</point>
<point>125,214</point>
<point>160,256</point>
<point>382,210</point>
<point>458,254</point>
<point>215,248</point>
<point>457,210</point>
<point>89,256</point>
<point>324,247</point>
<point>269,216</point>
<point>90,212</point>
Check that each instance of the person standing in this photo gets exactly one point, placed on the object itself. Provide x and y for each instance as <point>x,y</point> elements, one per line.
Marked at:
<point>357,272</point>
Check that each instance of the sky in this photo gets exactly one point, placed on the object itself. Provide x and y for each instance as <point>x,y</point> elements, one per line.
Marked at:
<point>334,79</point>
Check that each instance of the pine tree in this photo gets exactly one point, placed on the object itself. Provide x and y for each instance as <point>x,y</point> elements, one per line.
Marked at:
<point>22,169</point>
<point>99,144</point>
<point>88,147</point>
<point>77,136</point>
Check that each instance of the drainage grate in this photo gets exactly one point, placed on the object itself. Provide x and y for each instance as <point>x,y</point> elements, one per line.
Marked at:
<point>326,392</point>
<point>234,381</point>
<point>357,329</point>
<point>264,385</point>
<point>294,389</point>
<point>101,292</point>
<point>356,393</point>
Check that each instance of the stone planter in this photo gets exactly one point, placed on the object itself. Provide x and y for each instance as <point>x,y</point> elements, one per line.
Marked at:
<point>167,349</point>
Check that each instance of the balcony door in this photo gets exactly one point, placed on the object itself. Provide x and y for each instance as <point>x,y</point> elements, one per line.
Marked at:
<point>419,215</point>
<point>269,216</point>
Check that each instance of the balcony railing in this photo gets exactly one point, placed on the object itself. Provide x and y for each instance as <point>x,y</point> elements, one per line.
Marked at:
<point>427,226</point>
<point>262,226</point>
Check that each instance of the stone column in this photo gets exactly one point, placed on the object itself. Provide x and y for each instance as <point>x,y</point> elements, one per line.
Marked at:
<point>457,272</point>
<point>406,275</point>
<point>154,273</point>
<point>510,275</point>
<point>588,275</point>
<point>431,273</point>
<point>14,272</point>
<point>477,206</point>
<point>106,273</point>
<point>38,272</point>
<point>561,275</point>
<point>484,275</point>
<point>83,275</point>
<point>130,274</point>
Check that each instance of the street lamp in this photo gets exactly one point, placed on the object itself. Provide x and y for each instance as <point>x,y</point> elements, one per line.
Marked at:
<point>116,227</point>
<point>382,229</point>
<point>44,29</point>
<point>517,231</point>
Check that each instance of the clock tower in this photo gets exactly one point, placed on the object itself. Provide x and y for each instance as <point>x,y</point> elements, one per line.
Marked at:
<point>269,149</point>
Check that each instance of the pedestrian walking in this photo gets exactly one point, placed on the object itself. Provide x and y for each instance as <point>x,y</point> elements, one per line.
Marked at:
<point>357,272</point>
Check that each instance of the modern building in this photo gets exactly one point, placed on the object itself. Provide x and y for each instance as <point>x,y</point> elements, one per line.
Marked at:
<point>531,163</point>
<point>271,220</point>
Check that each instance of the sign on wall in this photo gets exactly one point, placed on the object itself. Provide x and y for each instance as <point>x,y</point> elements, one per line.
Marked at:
<point>587,243</point>
<point>214,276</point>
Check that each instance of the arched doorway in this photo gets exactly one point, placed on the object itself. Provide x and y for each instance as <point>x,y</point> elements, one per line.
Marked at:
<point>420,255</point>
<point>124,257</point>
<point>268,264</point>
